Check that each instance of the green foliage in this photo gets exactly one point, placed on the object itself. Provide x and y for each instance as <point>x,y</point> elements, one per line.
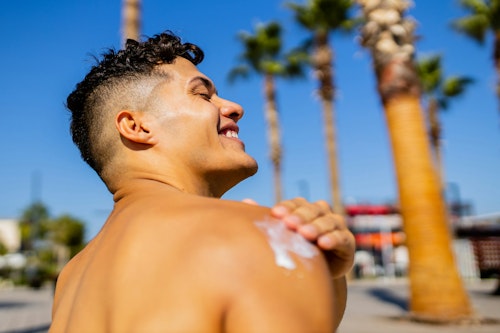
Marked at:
<point>325,15</point>
<point>31,223</point>
<point>48,242</point>
<point>3,249</point>
<point>437,87</point>
<point>35,212</point>
<point>295,60</point>
<point>484,16</point>
<point>68,231</point>
<point>430,73</point>
<point>455,85</point>
<point>263,54</point>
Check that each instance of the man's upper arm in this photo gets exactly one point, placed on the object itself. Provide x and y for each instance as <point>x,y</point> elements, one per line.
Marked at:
<point>276,284</point>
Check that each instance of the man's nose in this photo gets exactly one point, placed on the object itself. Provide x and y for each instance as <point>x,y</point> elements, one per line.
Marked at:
<point>231,110</point>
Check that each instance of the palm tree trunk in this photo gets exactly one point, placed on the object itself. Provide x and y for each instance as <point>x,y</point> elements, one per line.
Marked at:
<point>271,114</point>
<point>435,137</point>
<point>323,59</point>
<point>131,20</point>
<point>437,292</point>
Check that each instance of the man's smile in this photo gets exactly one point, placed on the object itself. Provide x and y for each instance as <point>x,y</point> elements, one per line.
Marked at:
<point>229,133</point>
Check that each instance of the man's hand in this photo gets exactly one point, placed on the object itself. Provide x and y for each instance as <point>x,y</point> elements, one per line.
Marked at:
<point>317,223</point>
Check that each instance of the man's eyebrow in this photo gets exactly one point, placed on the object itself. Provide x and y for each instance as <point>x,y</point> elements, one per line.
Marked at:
<point>206,82</point>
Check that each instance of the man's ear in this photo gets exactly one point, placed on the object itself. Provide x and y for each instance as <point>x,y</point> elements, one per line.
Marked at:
<point>132,126</point>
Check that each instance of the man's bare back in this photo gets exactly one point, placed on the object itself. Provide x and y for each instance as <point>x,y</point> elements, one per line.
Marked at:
<point>172,262</point>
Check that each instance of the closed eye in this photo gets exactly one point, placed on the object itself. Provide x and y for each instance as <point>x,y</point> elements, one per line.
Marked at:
<point>206,96</point>
<point>203,87</point>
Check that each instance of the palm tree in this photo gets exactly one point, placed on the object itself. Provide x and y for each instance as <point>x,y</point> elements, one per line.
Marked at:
<point>484,17</point>
<point>263,55</point>
<point>321,17</point>
<point>437,92</point>
<point>436,289</point>
<point>31,223</point>
<point>131,20</point>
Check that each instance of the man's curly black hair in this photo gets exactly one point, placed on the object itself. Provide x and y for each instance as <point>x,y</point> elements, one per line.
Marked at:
<point>110,85</point>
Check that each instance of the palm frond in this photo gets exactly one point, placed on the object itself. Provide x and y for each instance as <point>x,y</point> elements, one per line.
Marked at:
<point>455,85</point>
<point>474,26</point>
<point>483,16</point>
<point>325,14</point>
<point>295,61</point>
<point>241,71</point>
<point>476,6</point>
<point>430,73</point>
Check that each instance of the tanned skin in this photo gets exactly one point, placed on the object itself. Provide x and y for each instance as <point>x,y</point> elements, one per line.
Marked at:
<point>173,256</point>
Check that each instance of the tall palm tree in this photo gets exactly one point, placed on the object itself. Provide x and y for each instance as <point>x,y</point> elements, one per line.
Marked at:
<point>31,222</point>
<point>131,20</point>
<point>321,17</point>
<point>484,17</point>
<point>438,91</point>
<point>436,289</point>
<point>263,55</point>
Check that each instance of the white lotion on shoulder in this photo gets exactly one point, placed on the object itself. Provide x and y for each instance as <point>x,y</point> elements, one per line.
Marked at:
<point>284,241</point>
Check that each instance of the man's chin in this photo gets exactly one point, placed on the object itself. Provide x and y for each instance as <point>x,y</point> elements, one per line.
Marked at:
<point>232,178</point>
<point>253,170</point>
<point>247,171</point>
<point>249,167</point>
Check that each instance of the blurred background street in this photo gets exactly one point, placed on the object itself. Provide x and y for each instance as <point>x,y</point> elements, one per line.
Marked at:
<point>52,204</point>
<point>374,305</point>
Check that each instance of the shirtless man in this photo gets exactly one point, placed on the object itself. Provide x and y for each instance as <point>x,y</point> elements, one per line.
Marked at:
<point>173,256</point>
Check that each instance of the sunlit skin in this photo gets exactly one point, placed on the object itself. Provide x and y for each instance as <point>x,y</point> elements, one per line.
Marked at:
<point>173,256</point>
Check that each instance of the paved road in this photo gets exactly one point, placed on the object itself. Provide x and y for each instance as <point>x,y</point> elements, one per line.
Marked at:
<point>380,306</point>
<point>373,306</point>
<point>24,310</point>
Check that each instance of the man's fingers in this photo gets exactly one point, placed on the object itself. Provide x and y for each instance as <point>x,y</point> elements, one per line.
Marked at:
<point>342,241</point>
<point>303,214</point>
<point>299,211</point>
<point>288,206</point>
<point>285,211</point>
<point>324,206</point>
<point>320,226</point>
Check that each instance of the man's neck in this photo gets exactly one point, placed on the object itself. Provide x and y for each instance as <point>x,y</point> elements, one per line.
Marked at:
<point>130,184</point>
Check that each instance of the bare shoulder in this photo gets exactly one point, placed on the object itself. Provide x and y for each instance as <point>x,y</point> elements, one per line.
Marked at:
<point>224,263</point>
<point>230,237</point>
<point>269,278</point>
<point>218,261</point>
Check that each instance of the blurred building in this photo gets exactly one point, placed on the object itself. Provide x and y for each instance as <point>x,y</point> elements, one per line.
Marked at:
<point>483,233</point>
<point>380,249</point>
<point>10,234</point>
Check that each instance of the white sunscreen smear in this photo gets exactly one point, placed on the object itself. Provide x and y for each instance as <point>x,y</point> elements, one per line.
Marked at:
<point>284,241</point>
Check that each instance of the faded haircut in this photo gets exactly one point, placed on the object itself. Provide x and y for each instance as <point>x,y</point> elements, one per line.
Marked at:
<point>116,82</point>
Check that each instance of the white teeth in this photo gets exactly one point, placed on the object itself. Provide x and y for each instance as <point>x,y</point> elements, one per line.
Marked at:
<point>231,134</point>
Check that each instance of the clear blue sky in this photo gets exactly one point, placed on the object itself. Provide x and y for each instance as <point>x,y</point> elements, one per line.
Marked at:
<point>47,48</point>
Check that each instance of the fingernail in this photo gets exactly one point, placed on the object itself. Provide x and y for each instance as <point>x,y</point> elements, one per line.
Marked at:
<point>325,242</point>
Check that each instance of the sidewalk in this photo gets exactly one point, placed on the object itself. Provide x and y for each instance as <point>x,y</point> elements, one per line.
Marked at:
<point>373,306</point>
<point>24,310</point>
<point>380,306</point>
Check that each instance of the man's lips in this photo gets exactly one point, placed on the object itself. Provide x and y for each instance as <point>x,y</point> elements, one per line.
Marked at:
<point>230,131</point>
